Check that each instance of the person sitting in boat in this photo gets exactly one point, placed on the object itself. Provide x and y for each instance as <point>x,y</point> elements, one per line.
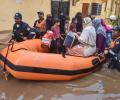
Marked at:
<point>56,42</point>
<point>101,36</point>
<point>79,25</point>
<point>67,24</point>
<point>20,29</point>
<point>73,24</point>
<point>40,24</point>
<point>87,41</point>
<point>49,22</point>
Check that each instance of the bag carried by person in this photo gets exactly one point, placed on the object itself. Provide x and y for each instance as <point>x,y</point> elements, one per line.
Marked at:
<point>70,40</point>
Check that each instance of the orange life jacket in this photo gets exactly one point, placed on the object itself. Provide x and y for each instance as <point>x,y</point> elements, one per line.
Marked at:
<point>41,26</point>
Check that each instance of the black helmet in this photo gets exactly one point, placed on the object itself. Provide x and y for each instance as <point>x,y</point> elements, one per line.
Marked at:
<point>18,16</point>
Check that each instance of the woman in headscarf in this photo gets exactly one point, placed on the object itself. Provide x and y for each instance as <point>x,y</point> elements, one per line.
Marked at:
<point>108,30</point>
<point>49,22</point>
<point>87,41</point>
<point>79,26</point>
<point>101,35</point>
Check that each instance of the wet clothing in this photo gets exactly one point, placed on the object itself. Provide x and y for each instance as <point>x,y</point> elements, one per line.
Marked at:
<point>20,31</point>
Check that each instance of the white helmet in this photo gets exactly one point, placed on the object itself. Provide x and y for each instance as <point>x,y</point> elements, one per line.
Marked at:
<point>113,17</point>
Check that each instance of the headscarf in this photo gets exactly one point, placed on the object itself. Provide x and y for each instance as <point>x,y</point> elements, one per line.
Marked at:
<point>107,28</point>
<point>87,21</point>
<point>98,26</point>
<point>79,25</point>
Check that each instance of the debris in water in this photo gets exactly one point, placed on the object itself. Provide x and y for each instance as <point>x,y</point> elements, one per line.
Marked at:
<point>39,97</point>
<point>72,85</point>
<point>20,97</point>
<point>86,78</point>
<point>3,96</point>
<point>97,87</point>
<point>70,96</point>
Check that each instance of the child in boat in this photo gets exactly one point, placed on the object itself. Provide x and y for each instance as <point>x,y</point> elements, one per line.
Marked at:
<point>73,25</point>
<point>67,24</point>
<point>56,42</point>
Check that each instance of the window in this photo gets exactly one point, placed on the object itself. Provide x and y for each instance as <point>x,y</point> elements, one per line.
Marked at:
<point>73,2</point>
<point>96,9</point>
<point>58,6</point>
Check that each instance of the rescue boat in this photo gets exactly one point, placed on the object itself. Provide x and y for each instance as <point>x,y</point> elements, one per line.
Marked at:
<point>28,60</point>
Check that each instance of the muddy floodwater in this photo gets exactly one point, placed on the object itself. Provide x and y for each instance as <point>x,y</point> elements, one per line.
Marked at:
<point>101,85</point>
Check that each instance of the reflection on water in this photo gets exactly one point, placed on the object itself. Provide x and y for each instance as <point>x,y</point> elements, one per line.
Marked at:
<point>3,96</point>
<point>21,97</point>
<point>39,97</point>
<point>87,97</point>
<point>97,87</point>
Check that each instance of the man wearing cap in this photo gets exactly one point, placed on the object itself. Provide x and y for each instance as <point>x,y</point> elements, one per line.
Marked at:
<point>40,24</point>
<point>113,20</point>
<point>20,29</point>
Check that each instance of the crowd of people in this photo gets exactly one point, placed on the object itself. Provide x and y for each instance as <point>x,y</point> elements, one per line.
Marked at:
<point>92,35</point>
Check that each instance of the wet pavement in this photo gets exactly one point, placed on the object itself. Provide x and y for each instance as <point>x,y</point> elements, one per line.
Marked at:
<point>101,85</point>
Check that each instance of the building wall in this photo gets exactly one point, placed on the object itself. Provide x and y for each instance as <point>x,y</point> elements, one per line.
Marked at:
<point>28,8</point>
<point>111,7</point>
<point>78,7</point>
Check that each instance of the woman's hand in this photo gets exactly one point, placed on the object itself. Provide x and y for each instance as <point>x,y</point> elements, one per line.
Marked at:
<point>78,33</point>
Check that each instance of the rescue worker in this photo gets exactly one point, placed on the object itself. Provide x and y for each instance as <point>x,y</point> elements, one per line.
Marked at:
<point>20,29</point>
<point>113,20</point>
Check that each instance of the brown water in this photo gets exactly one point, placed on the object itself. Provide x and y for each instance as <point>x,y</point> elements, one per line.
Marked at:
<point>102,85</point>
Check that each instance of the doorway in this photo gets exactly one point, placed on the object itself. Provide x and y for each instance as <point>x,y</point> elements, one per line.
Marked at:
<point>85,9</point>
<point>60,6</point>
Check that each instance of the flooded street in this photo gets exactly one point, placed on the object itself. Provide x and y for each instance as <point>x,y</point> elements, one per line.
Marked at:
<point>102,85</point>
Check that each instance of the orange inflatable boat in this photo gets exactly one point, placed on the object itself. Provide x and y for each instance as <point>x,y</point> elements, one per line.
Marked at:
<point>28,60</point>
